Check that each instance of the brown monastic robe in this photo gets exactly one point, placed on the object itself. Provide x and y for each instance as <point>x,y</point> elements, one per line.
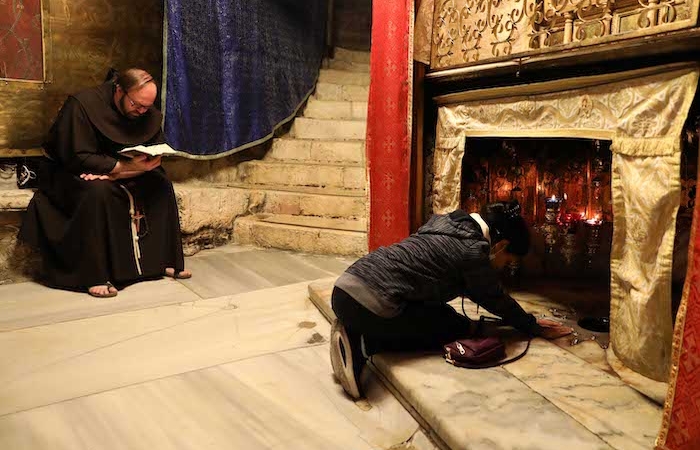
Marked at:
<point>83,229</point>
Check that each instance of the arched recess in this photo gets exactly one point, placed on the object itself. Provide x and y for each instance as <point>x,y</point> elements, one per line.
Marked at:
<point>642,112</point>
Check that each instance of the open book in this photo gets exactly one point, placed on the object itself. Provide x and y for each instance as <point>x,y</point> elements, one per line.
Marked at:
<point>151,150</point>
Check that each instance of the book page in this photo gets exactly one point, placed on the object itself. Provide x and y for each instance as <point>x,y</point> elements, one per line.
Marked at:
<point>151,150</point>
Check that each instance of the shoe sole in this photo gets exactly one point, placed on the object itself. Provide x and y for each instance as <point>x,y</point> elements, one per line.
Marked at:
<point>343,367</point>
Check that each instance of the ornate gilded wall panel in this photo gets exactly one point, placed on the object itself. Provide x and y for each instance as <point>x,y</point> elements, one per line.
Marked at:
<point>22,111</point>
<point>21,54</point>
<point>86,38</point>
<point>471,31</point>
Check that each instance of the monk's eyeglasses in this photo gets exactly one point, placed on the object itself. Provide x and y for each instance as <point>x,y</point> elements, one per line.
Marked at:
<point>134,104</point>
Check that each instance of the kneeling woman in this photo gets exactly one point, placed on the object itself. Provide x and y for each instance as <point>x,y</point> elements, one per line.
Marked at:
<point>395,298</point>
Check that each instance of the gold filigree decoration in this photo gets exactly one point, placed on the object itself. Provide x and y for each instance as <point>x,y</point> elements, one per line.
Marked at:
<point>468,31</point>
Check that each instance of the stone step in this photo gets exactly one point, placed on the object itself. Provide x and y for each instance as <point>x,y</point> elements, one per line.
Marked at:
<point>333,109</point>
<point>331,91</point>
<point>317,151</point>
<point>342,54</point>
<point>343,77</point>
<point>311,235</point>
<point>346,65</point>
<point>208,211</point>
<point>305,201</point>
<point>255,173</point>
<point>15,199</point>
<point>17,262</point>
<point>326,129</point>
<point>548,400</point>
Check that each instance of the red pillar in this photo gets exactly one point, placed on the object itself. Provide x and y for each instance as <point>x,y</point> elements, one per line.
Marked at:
<point>389,121</point>
<point>681,423</point>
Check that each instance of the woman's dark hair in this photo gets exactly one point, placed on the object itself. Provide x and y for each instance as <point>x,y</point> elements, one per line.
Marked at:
<point>505,222</point>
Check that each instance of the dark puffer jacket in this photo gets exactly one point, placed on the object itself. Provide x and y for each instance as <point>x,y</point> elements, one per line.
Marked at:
<point>446,258</point>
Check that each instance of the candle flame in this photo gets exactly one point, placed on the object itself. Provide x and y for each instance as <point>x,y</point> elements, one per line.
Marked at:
<point>565,196</point>
<point>554,197</point>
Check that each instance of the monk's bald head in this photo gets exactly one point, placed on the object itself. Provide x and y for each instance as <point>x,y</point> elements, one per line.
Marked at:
<point>136,92</point>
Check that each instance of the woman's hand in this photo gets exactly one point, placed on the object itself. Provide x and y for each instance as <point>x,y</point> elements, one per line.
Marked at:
<point>552,329</point>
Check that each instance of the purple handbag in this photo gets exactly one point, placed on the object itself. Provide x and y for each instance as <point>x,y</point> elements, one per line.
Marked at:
<point>476,353</point>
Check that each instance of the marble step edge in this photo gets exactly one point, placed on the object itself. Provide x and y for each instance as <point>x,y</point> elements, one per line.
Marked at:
<point>316,222</point>
<point>320,192</point>
<point>303,163</point>
<point>251,230</point>
<point>331,151</point>
<point>341,92</point>
<point>350,66</point>
<point>317,108</point>
<point>328,129</point>
<point>343,54</point>
<point>344,77</point>
<point>320,292</point>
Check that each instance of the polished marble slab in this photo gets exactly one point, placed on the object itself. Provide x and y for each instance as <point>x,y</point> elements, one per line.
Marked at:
<point>62,361</point>
<point>601,402</point>
<point>30,304</point>
<point>483,409</point>
<point>234,269</point>
<point>286,400</point>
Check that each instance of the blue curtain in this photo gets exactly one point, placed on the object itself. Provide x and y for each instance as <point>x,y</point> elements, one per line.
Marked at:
<point>237,69</point>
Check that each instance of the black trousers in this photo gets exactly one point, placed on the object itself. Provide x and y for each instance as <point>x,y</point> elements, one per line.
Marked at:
<point>421,326</point>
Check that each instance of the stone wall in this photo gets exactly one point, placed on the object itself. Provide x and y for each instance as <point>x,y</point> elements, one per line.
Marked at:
<point>352,24</point>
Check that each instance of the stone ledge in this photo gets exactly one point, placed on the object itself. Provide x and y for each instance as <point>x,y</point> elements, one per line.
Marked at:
<point>15,199</point>
<point>207,217</point>
<point>550,399</point>
<point>265,231</point>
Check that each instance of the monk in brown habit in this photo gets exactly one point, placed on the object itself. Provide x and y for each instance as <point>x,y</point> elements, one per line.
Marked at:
<point>100,220</point>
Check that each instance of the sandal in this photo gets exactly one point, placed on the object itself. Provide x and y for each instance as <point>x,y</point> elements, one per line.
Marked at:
<point>177,274</point>
<point>111,291</point>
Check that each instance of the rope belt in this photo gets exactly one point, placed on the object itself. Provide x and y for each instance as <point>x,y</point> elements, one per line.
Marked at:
<point>134,230</point>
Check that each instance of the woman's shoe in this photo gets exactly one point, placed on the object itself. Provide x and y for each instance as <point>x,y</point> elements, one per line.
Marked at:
<point>347,360</point>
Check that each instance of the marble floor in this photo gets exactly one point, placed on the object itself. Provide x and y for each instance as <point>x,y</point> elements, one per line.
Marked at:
<point>234,358</point>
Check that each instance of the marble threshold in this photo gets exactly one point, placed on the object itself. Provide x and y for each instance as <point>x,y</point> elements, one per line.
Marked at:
<point>550,399</point>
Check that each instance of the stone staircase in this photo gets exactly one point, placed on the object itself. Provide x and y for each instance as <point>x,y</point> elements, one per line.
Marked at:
<point>309,192</point>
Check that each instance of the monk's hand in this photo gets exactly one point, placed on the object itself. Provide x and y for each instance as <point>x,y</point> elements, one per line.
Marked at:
<point>92,176</point>
<point>143,163</point>
<point>552,329</point>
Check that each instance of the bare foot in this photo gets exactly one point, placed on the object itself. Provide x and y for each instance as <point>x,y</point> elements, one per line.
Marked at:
<point>103,291</point>
<point>183,274</point>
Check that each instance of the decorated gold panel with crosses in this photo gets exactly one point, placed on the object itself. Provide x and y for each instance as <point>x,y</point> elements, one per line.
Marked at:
<point>472,31</point>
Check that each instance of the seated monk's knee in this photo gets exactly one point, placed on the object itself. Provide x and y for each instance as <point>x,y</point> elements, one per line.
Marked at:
<point>99,190</point>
